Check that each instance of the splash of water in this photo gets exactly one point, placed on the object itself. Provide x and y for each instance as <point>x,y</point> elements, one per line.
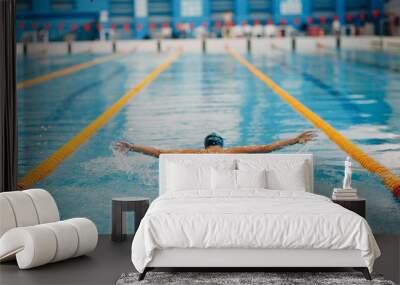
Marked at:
<point>121,161</point>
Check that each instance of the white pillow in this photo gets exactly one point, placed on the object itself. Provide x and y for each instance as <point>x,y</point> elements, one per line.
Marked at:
<point>226,179</point>
<point>188,177</point>
<point>291,178</point>
<point>251,178</point>
<point>285,174</point>
<point>223,179</point>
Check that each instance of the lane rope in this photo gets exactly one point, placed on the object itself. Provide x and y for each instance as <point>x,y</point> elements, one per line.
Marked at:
<point>67,70</point>
<point>54,160</point>
<point>391,180</point>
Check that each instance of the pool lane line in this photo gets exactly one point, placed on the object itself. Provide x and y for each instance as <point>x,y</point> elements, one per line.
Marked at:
<point>323,86</point>
<point>68,70</point>
<point>73,97</point>
<point>391,180</point>
<point>54,160</point>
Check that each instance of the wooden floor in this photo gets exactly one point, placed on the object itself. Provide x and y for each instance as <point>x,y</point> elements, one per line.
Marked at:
<point>110,260</point>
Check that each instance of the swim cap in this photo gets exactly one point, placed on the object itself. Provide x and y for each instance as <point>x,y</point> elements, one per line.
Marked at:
<point>213,139</point>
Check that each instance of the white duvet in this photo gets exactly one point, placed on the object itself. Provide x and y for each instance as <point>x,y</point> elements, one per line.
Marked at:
<point>250,219</point>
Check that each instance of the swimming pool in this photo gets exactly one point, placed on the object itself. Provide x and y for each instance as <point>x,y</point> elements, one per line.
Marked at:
<point>357,93</point>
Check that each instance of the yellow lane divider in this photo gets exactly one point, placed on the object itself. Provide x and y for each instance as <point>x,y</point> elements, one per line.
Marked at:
<point>52,162</point>
<point>66,71</point>
<point>391,180</point>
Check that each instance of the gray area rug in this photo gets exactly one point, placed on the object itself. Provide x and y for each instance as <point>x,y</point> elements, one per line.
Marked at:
<point>229,278</point>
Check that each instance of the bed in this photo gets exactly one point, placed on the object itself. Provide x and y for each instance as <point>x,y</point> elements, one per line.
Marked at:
<point>246,211</point>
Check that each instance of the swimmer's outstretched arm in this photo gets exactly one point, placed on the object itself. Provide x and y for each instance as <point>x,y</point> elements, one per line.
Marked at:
<point>155,152</point>
<point>152,151</point>
<point>302,139</point>
<point>126,147</point>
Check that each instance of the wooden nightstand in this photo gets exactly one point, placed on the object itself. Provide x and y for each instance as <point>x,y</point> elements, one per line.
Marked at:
<point>355,205</point>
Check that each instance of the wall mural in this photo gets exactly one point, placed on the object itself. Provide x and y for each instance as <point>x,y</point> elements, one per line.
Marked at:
<point>93,116</point>
<point>95,132</point>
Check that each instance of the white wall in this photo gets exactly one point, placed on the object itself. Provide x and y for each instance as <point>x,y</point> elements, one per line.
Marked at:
<point>362,43</point>
<point>92,47</point>
<point>258,45</point>
<point>189,45</point>
<point>307,45</point>
<point>391,43</point>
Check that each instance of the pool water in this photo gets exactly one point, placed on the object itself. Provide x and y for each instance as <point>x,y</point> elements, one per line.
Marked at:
<point>357,93</point>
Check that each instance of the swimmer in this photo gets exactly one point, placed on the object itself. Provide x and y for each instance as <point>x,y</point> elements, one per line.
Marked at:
<point>214,143</point>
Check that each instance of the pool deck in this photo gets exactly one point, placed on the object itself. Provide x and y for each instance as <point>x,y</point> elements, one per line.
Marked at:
<point>110,259</point>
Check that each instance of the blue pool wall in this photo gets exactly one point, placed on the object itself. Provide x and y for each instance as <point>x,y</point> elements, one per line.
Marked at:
<point>58,17</point>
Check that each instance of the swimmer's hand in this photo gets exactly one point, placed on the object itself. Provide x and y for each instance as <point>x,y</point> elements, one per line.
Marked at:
<point>306,137</point>
<point>123,147</point>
